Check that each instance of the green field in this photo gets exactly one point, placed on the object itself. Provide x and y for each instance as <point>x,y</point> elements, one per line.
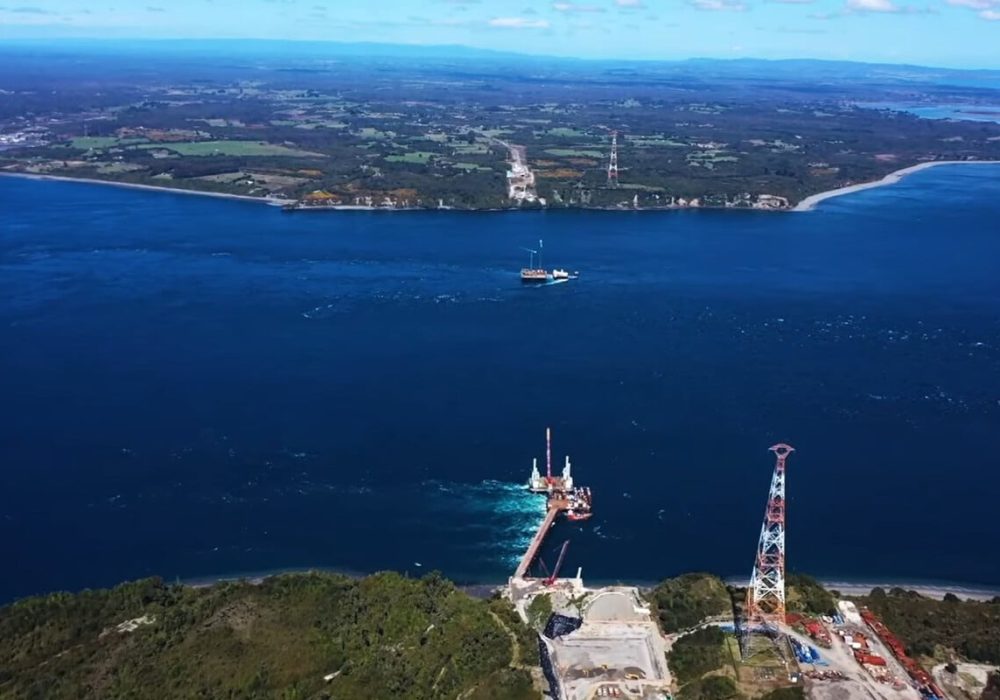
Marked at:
<point>321,125</point>
<point>431,136</point>
<point>471,149</point>
<point>573,153</point>
<point>413,157</point>
<point>372,133</point>
<point>230,148</point>
<point>639,187</point>
<point>562,131</point>
<point>471,166</point>
<point>88,142</point>
<point>653,141</point>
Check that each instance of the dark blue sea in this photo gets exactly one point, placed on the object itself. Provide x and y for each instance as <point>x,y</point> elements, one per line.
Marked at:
<point>192,387</point>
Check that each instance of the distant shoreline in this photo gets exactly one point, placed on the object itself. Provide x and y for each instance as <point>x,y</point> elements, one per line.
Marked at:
<point>810,202</point>
<point>272,201</point>
<point>807,204</point>
<point>928,590</point>
<point>936,590</point>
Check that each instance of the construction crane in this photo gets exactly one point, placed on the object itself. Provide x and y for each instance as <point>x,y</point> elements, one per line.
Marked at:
<point>550,578</point>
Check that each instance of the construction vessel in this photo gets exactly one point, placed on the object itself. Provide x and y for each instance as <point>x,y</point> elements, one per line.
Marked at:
<point>563,496</point>
<point>548,483</point>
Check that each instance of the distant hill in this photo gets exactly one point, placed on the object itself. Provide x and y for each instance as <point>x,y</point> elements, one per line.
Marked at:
<point>751,68</point>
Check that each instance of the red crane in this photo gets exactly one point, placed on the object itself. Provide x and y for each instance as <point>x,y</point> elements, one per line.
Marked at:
<point>555,571</point>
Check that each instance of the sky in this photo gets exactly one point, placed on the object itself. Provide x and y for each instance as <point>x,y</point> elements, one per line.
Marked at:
<point>949,33</point>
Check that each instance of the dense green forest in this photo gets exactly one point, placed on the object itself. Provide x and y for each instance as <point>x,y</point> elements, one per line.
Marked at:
<point>806,594</point>
<point>971,628</point>
<point>383,636</point>
<point>696,654</point>
<point>685,601</point>
<point>699,653</point>
<point>704,652</point>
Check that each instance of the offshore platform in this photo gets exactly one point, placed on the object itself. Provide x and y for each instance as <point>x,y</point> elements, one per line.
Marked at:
<point>562,496</point>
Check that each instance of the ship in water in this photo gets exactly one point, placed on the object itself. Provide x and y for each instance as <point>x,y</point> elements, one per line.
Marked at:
<point>537,274</point>
<point>579,504</point>
<point>575,501</point>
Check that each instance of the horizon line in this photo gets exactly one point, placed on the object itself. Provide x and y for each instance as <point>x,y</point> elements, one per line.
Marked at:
<point>8,42</point>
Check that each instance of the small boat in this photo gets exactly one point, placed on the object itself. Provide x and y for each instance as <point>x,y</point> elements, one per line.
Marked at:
<point>538,274</point>
<point>575,516</point>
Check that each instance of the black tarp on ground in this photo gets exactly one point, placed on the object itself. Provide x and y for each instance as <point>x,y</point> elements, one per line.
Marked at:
<point>560,625</point>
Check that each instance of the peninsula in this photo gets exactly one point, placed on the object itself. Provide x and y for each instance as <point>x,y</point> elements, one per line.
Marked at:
<point>328,128</point>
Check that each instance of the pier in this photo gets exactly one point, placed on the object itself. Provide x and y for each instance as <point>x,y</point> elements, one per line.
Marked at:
<point>557,504</point>
<point>536,542</point>
<point>562,497</point>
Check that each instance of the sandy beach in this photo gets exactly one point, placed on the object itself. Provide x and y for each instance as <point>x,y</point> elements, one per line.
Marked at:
<point>928,590</point>
<point>274,202</point>
<point>811,201</point>
<point>807,204</point>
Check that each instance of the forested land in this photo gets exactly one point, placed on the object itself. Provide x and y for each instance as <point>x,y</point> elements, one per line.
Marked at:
<point>380,636</point>
<point>703,667</point>
<point>925,625</point>
<point>687,600</point>
<point>805,594</point>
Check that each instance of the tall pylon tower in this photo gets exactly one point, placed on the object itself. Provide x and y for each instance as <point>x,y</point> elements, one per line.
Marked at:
<point>613,164</point>
<point>764,609</point>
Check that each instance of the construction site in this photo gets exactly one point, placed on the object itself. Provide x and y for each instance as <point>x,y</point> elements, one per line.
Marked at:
<point>606,641</point>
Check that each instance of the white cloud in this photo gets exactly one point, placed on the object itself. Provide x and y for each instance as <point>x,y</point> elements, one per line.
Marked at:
<point>628,3</point>
<point>519,23</point>
<point>985,9</point>
<point>872,6</point>
<point>575,7</point>
<point>974,4</point>
<point>719,5</point>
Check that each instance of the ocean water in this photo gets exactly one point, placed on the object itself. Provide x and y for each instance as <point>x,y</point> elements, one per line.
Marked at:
<point>195,388</point>
<point>963,112</point>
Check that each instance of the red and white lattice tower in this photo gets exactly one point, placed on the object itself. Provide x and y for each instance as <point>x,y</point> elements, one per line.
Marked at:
<point>613,164</point>
<point>765,604</point>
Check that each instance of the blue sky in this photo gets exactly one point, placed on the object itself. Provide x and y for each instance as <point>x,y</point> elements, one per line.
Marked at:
<point>957,33</point>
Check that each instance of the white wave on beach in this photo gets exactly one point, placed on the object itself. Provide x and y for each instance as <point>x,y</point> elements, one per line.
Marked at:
<point>809,203</point>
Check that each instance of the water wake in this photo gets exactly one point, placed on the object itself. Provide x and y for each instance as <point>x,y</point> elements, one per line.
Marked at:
<point>506,512</point>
